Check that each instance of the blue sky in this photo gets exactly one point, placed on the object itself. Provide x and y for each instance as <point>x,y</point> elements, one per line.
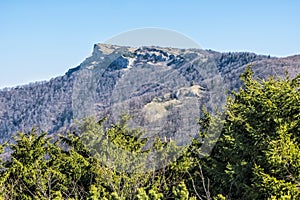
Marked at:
<point>43,39</point>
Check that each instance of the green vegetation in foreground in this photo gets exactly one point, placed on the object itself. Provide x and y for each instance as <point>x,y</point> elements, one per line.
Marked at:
<point>256,157</point>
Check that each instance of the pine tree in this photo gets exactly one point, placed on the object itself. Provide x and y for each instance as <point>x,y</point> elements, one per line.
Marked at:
<point>258,155</point>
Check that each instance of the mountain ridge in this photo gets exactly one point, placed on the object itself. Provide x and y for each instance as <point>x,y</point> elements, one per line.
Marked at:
<point>294,57</point>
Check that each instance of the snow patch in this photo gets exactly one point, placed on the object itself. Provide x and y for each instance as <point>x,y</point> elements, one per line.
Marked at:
<point>130,63</point>
<point>90,67</point>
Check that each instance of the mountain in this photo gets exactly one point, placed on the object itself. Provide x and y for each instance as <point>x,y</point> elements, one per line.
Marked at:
<point>162,88</point>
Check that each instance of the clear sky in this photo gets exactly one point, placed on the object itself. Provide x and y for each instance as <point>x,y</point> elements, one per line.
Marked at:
<point>43,39</point>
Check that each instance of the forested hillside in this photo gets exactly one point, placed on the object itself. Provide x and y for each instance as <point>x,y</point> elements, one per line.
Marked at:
<point>257,155</point>
<point>94,86</point>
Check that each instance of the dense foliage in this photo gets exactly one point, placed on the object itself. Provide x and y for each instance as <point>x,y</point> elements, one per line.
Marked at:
<point>258,153</point>
<point>256,157</point>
